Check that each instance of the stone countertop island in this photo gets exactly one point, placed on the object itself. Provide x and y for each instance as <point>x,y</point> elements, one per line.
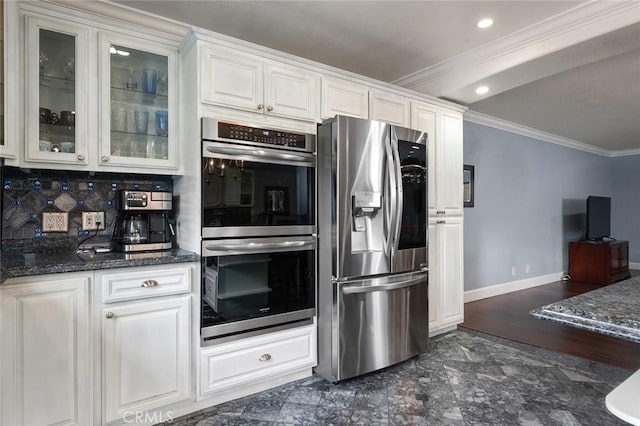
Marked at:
<point>612,310</point>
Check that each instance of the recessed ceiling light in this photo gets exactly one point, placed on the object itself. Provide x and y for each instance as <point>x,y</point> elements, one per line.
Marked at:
<point>485,23</point>
<point>481,90</point>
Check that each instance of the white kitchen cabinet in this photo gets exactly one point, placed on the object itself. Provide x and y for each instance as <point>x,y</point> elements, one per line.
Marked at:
<point>146,355</point>
<point>146,334</point>
<point>57,92</point>
<point>342,97</point>
<point>446,278</point>
<point>445,156</point>
<point>389,107</point>
<point>138,103</point>
<point>87,106</point>
<point>249,82</point>
<point>247,362</point>
<point>46,364</point>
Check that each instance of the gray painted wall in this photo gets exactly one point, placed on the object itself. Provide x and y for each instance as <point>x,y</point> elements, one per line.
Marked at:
<point>625,204</point>
<point>530,201</point>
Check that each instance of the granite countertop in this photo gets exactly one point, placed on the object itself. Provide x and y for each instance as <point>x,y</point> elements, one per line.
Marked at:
<point>611,310</point>
<point>39,258</point>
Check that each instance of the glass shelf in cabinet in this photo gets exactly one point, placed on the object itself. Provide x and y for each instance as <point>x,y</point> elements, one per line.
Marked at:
<point>57,83</point>
<point>58,130</point>
<point>137,97</point>
<point>127,144</point>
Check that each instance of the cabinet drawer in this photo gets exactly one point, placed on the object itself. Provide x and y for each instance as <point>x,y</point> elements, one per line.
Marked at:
<point>140,283</point>
<point>237,363</point>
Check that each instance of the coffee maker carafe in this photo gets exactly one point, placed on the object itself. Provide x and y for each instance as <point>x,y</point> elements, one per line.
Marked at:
<point>144,221</point>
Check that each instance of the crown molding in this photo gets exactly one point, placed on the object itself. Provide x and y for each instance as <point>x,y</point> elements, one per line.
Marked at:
<point>583,22</point>
<point>626,152</point>
<point>497,123</point>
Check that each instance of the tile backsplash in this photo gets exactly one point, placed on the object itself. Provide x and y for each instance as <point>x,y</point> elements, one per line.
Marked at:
<point>25,196</point>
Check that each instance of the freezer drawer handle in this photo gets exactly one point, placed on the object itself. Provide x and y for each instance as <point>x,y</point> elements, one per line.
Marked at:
<point>264,358</point>
<point>385,287</point>
<point>149,283</point>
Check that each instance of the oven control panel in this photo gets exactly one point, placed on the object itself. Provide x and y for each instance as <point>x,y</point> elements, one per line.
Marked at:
<point>266,136</point>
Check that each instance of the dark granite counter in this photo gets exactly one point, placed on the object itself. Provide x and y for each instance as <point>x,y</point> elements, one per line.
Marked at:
<point>611,310</point>
<point>20,260</point>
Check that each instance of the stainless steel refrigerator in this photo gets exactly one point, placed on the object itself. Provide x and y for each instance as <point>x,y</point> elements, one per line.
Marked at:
<point>372,246</point>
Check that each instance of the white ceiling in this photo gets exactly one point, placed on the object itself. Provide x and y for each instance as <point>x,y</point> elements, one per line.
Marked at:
<point>569,68</point>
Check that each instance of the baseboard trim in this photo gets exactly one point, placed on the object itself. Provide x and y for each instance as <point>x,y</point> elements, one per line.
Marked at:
<point>498,289</point>
<point>634,265</point>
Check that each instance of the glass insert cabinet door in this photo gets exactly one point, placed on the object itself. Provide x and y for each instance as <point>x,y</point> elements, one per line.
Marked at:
<point>138,111</point>
<point>56,92</point>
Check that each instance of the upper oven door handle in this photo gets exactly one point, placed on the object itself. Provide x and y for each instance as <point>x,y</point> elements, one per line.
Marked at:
<point>241,246</point>
<point>256,154</point>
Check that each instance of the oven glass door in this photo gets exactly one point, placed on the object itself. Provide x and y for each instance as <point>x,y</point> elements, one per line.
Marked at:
<point>251,284</point>
<point>252,190</point>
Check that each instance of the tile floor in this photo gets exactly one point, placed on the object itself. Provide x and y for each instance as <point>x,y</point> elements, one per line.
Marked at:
<point>464,378</point>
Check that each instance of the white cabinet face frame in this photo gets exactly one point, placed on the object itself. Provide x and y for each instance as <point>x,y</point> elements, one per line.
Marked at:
<point>146,355</point>
<point>37,57</point>
<point>341,97</point>
<point>46,353</point>
<point>389,107</point>
<point>157,151</point>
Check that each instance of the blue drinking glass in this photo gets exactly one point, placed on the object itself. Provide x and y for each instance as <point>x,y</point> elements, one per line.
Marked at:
<point>149,79</point>
<point>162,123</point>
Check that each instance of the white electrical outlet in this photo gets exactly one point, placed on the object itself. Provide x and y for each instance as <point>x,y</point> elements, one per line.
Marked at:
<point>55,222</point>
<point>92,221</point>
<point>513,271</point>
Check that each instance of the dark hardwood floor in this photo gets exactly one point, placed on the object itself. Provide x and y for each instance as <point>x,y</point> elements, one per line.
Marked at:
<point>508,316</point>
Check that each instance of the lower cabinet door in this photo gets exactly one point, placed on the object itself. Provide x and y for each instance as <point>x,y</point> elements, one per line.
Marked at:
<point>145,355</point>
<point>46,353</point>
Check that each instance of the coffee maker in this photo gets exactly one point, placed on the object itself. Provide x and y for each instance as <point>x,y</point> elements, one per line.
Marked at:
<point>144,221</point>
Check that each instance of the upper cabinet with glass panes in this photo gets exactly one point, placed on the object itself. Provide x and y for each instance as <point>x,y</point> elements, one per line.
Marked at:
<point>138,117</point>
<point>95,99</point>
<point>57,111</point>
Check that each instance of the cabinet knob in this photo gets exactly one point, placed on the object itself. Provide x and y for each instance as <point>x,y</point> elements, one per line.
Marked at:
<point>260,107</point>
<point>105,159</point>
<point>149,283</point>
<point>264,358</point>
<point>80,157</point>
<point>269,108</point>
<point>109,315</point>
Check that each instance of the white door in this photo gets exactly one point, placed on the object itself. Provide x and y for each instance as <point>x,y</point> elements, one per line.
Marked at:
<point>424,117</point>
<point>46,355</point>
<point>449,197</point>
<point>389,108</point>
<point>292,92</point>
<point>450,239</point>
<point>341,97</point>
<point>233,79</point>
<point>145,355</point>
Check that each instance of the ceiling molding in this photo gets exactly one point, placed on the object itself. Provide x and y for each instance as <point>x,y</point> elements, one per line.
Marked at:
<point>626,152</point>
<point>497,123</point>
<point>573,26</point>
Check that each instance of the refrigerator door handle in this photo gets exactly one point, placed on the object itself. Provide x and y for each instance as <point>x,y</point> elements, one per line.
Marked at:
<point>384,287</point>
<point>399,195</point>
<point>390,202</point>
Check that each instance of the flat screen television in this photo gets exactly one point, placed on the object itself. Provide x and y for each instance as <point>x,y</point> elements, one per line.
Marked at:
<point>598,218</point>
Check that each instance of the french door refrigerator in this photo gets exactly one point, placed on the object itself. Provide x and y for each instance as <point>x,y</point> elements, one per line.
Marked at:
<point>372,246</point>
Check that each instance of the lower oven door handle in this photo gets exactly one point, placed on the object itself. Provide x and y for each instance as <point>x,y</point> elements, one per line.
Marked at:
<point>383,287</point>
<point>259,247</point>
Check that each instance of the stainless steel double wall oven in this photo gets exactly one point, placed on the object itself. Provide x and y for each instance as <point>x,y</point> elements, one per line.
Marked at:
<point>258,228</point>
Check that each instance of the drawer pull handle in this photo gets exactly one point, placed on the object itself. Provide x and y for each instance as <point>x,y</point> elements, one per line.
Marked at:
<point>441,221</point>
<point>149,283</point>
<point>264,358</point>
<point>109,315</point>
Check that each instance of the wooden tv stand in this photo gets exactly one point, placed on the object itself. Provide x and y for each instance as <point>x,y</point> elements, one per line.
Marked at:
<point>599,262</point>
